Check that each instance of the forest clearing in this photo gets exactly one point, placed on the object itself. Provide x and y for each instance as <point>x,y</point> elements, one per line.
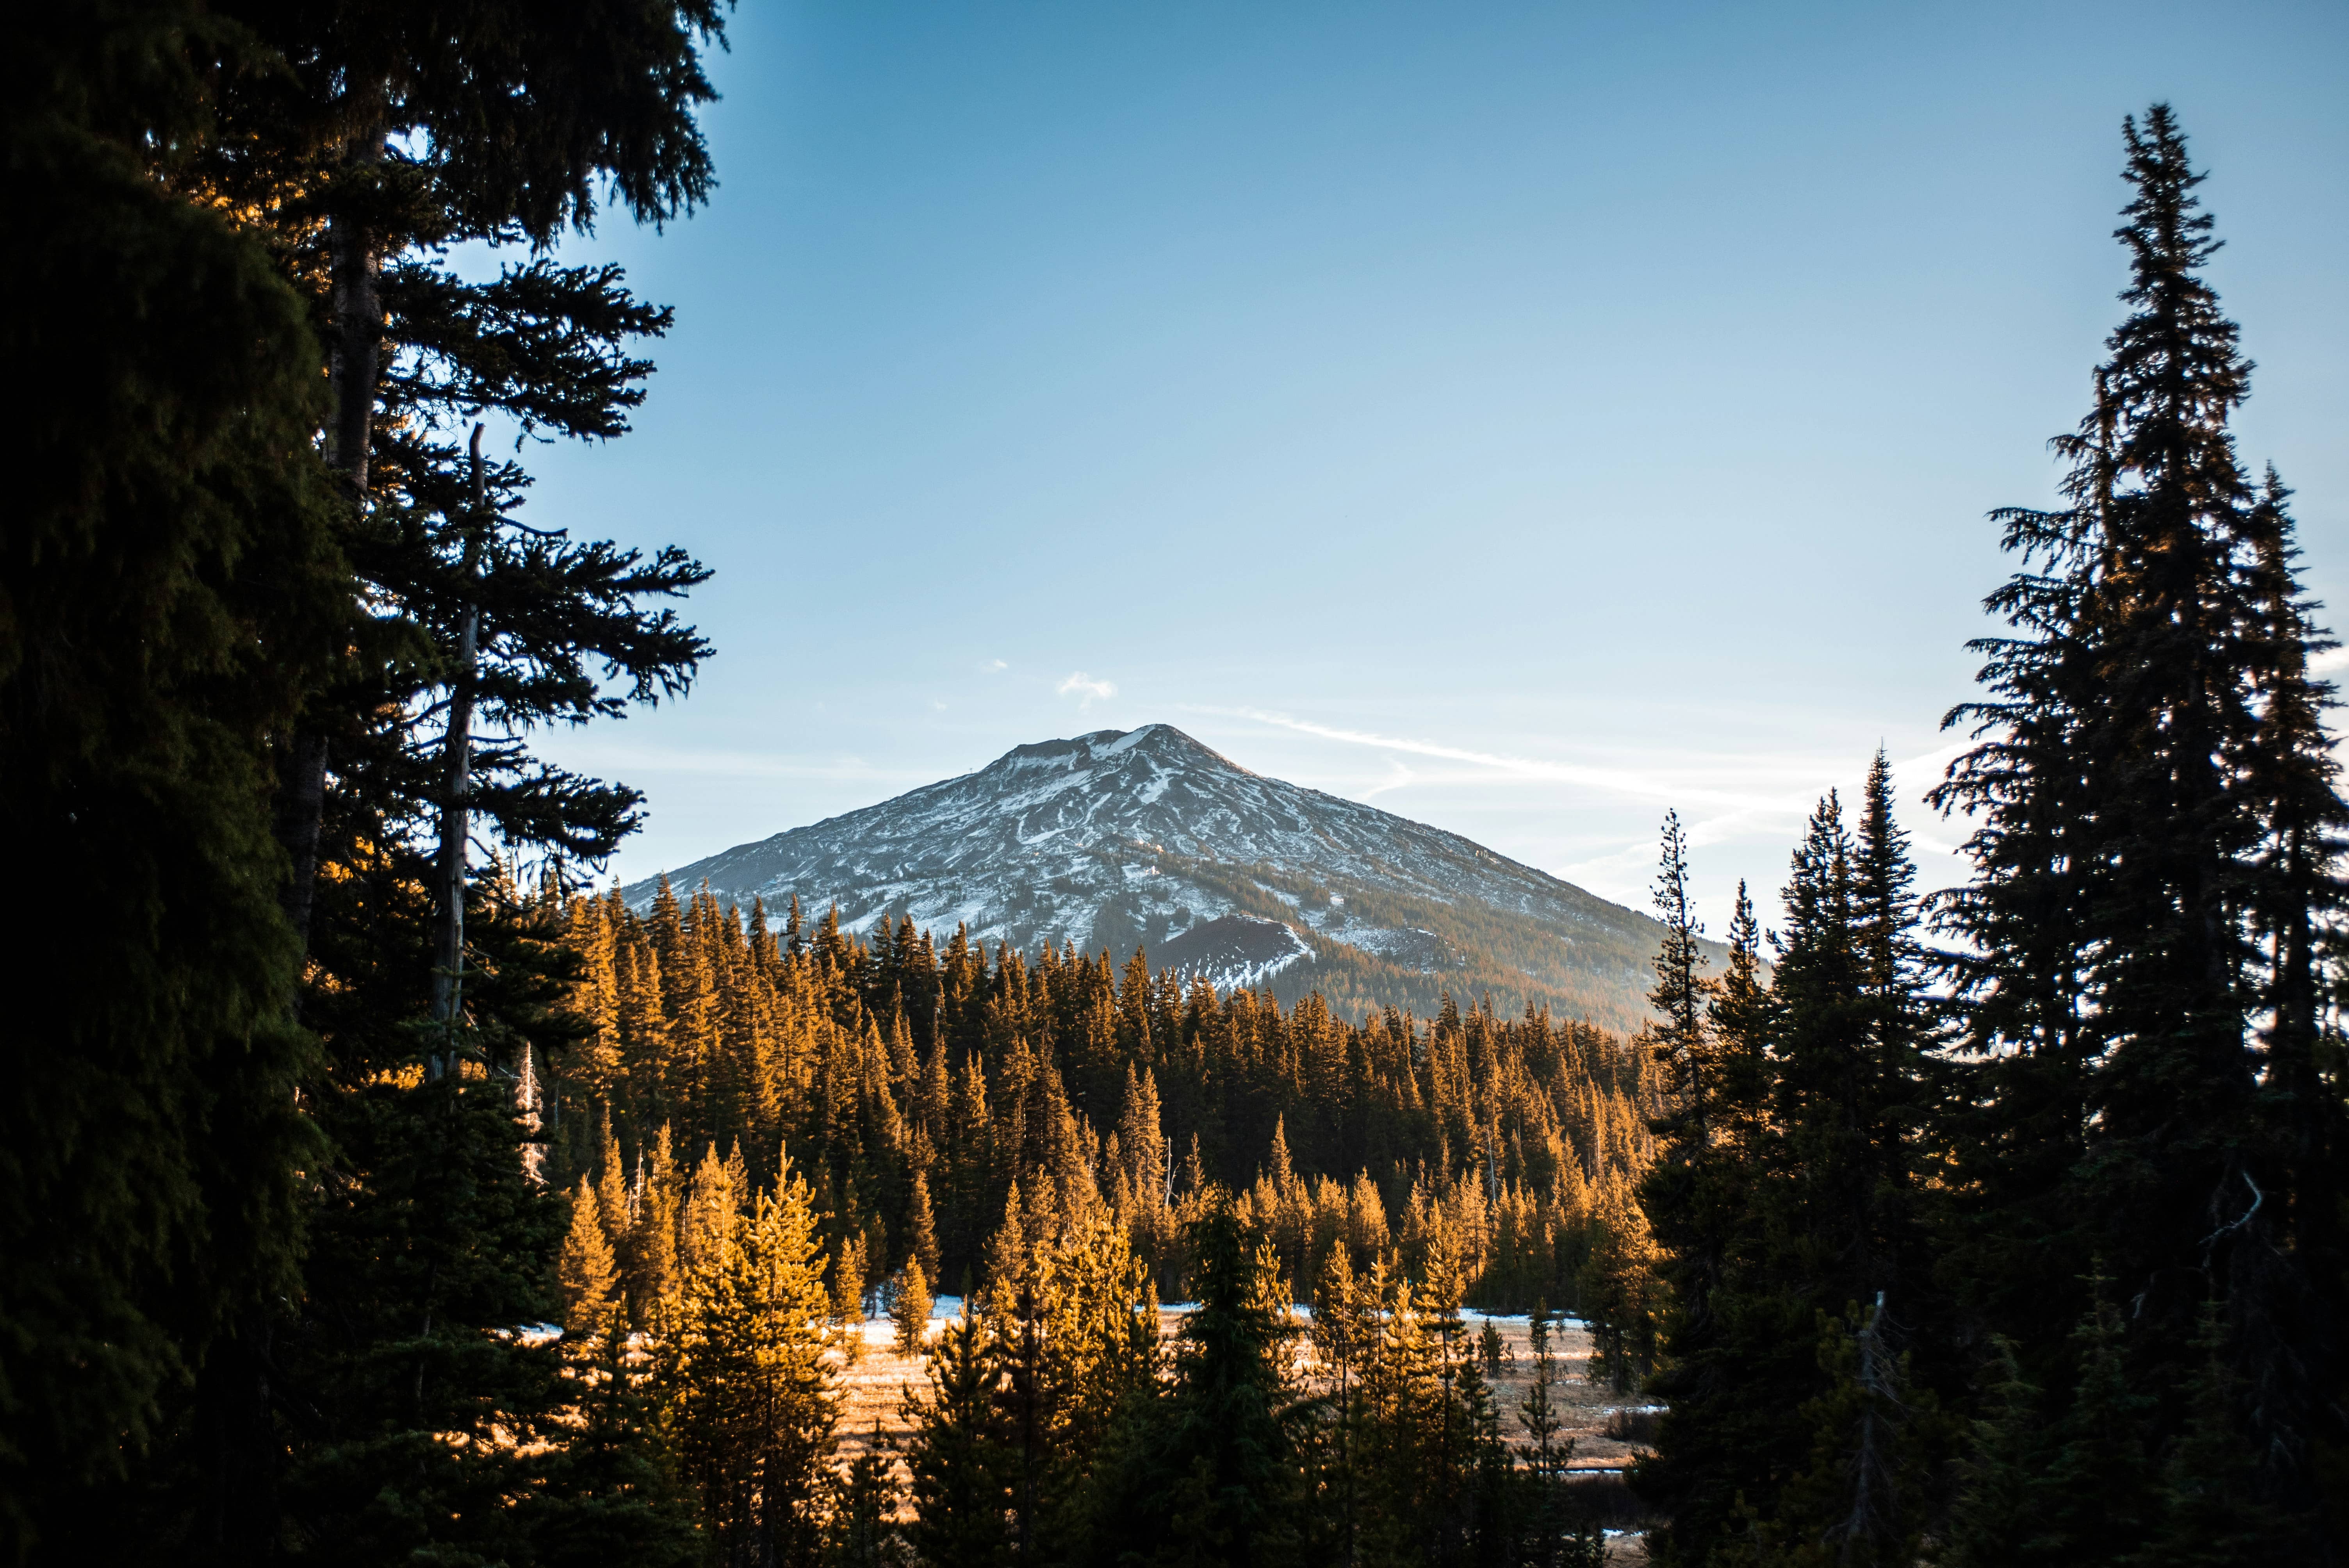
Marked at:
<point>875,1384</point>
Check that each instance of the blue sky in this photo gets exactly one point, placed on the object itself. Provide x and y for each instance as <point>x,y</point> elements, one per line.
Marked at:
<point>1523,417</point>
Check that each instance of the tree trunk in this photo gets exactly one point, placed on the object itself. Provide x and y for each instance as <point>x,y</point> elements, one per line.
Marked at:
<point>301,808</point>
<point>456,822</point>
<point>355,260</point>
<point>355,263</point>
<point>236,1432</point>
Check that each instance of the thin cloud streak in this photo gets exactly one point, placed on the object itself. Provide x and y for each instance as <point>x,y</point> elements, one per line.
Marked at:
<point>1611,780</point>
<point>1737,806</point>
<point>1715,811</point>
<point>1403,777</point>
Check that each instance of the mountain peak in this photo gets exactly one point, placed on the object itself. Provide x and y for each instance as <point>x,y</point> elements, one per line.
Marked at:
<point>1159,743</point>
<point>1123,838</point>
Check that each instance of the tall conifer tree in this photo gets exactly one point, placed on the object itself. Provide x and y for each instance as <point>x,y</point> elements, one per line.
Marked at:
<point>2148,856</point>
<point>756,1402</point>
<point>171,592</point>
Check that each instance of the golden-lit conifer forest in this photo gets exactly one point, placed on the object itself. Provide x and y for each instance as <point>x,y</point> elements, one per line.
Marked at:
<point>917,1085</point>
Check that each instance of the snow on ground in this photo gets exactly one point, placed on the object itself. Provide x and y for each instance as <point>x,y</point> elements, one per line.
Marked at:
<point>877,1383</point>
<point>878,1380</point>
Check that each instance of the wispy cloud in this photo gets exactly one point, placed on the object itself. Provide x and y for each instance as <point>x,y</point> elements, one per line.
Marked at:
<point>1399,778</point>
<point>2332,659</point>
<point>1720,797</point>
<point>1613,781</point>
<point>1085,688</point>
<point>993,667</point>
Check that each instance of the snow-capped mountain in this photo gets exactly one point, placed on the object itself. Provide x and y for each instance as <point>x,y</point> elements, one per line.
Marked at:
<point>1147,838</point>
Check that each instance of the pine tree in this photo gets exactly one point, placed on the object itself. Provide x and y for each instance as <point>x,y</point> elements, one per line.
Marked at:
<point>911,1310</point>
<point>1076,1335</point>
<point>1007,1253</point>
<point>1543,1422</point>
<point>612,1205</point>
<point>754,1402</point>
<point>710,1212</point>
<point>438,1428</point>
<point>1619,1288</point>
<point>386,147</point>
<point>924,1228</point>
<point>1801,1193</point>
<point>653,1245</point>
<point>2095,1501</point>
<point>2293,1360</point>
<point>1481,1528</point>
<point>1697,1196</point>
<point>1552,1532</point>
<point>860,1530</point>
<point>2210,1510</point>
<point>848,1277</point>
<point>233,179</point>
<point>170,594</point>
<point>2169,499</point>
<point>587,1269</point>
<point>1839,1199</point>
<point>1992,1523</point>
<point>961,1490</point>
<point>1864,1498</point>
<point>370,150</point>
<point>1330,1441</point>
<point>1214,1483</point>
<point>2141,884</point>
<point>1411,1429</point>
<point>1679,997</point>
<point>616,1496</point>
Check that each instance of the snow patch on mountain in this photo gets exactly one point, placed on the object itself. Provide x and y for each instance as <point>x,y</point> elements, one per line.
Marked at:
<point>1123,838</point>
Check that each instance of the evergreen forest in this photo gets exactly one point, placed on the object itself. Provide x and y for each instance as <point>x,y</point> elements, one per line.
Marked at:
<point>373,1189</point>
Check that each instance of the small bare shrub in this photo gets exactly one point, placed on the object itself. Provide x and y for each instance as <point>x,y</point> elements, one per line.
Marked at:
<point>1633,1425</point>
<point>1606,1499</point>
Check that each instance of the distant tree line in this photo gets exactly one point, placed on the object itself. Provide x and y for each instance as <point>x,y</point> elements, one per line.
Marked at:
<point>1467,949</point>
<point>928,1090</point>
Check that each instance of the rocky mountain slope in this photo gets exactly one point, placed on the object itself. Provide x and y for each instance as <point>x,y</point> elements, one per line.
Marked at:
<point>1148,838</point>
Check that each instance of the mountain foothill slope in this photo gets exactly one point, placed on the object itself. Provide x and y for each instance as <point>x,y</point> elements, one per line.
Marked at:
<point>1147,839</point>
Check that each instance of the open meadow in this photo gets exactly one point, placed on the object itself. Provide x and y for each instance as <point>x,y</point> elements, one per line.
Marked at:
<point>877,1383</point>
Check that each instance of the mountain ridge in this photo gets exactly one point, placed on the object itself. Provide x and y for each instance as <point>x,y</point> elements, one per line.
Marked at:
<point>1148,838</point>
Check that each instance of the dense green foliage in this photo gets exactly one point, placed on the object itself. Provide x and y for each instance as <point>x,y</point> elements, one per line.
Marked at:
<point>2086,1197</point>
<point>1787,1198</point>
<point>1056,1429</point>
<point>249,579</point>
<point>168,586</point>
